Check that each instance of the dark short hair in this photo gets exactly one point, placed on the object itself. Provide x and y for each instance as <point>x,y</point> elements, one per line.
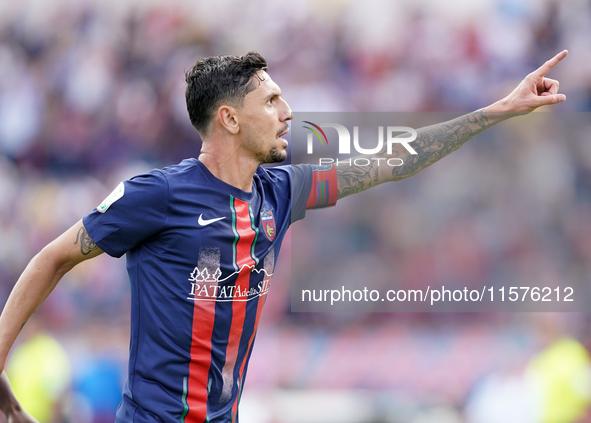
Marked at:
<point>219,79</point>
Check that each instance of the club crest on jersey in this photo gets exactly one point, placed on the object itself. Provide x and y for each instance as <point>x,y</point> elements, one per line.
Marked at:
<point>268,224</point>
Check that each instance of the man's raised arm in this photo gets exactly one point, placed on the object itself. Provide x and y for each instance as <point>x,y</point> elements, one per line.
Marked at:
<point>436,141</point>
<point>37,281</point>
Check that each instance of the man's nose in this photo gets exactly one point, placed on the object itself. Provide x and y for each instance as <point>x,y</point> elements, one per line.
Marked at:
<point>287,112</point>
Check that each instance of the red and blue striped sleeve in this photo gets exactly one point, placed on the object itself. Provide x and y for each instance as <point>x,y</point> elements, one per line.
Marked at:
<point>312,187</point>
<point>323,192</point>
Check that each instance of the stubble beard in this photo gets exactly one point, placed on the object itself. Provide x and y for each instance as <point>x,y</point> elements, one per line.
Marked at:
<point>274,155</point>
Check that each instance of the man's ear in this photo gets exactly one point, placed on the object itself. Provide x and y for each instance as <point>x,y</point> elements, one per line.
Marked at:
<point>229,119</point>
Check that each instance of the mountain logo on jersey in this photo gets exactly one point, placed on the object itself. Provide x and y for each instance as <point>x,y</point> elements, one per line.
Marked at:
<point>204,276</point>
<point>268,224</point>
<point>210,286</point>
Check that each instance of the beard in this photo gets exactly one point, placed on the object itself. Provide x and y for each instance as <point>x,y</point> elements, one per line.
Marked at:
<point>274,155</point>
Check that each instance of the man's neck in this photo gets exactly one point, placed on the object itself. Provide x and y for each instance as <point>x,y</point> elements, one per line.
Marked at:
<point>231,169</point>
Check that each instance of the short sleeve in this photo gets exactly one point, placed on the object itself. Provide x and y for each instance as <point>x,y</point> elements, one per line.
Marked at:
<point>301,178</point>
<point>323,189</point>
<point>132,213</point>
<point>313,187</point>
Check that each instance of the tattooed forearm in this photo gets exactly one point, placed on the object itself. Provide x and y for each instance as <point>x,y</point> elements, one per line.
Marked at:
<point>87,245</point>
<point>432,143</point>
<point>23,325</point>
<point>353,179</point>
<point>437,141</point>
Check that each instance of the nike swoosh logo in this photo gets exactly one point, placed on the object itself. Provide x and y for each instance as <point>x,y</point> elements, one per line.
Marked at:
<point>205,222</point>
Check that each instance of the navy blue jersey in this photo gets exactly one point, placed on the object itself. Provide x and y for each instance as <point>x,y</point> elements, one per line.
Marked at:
<point>200,257</point>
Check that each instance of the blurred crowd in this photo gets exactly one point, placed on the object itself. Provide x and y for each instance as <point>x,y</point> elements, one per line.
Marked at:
<point>93,92</point>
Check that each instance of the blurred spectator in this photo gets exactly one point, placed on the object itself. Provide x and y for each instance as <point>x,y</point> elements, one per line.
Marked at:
<point>40,373</point>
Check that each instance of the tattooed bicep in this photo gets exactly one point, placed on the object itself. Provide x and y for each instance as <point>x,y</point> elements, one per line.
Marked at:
<point>85,242</point>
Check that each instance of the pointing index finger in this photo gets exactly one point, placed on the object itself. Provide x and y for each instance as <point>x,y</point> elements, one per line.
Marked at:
<point>547,67</point>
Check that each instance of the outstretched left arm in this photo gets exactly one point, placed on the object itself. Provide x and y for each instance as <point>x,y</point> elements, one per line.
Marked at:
<point>436,141</point>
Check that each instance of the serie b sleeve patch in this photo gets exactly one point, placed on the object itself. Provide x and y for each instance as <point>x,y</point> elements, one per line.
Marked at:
<point>114,196</point>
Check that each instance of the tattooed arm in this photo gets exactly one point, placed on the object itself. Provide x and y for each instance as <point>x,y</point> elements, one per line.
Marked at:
<point>432,143</point>
<point>39,278</point>
<point>437,141</point>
